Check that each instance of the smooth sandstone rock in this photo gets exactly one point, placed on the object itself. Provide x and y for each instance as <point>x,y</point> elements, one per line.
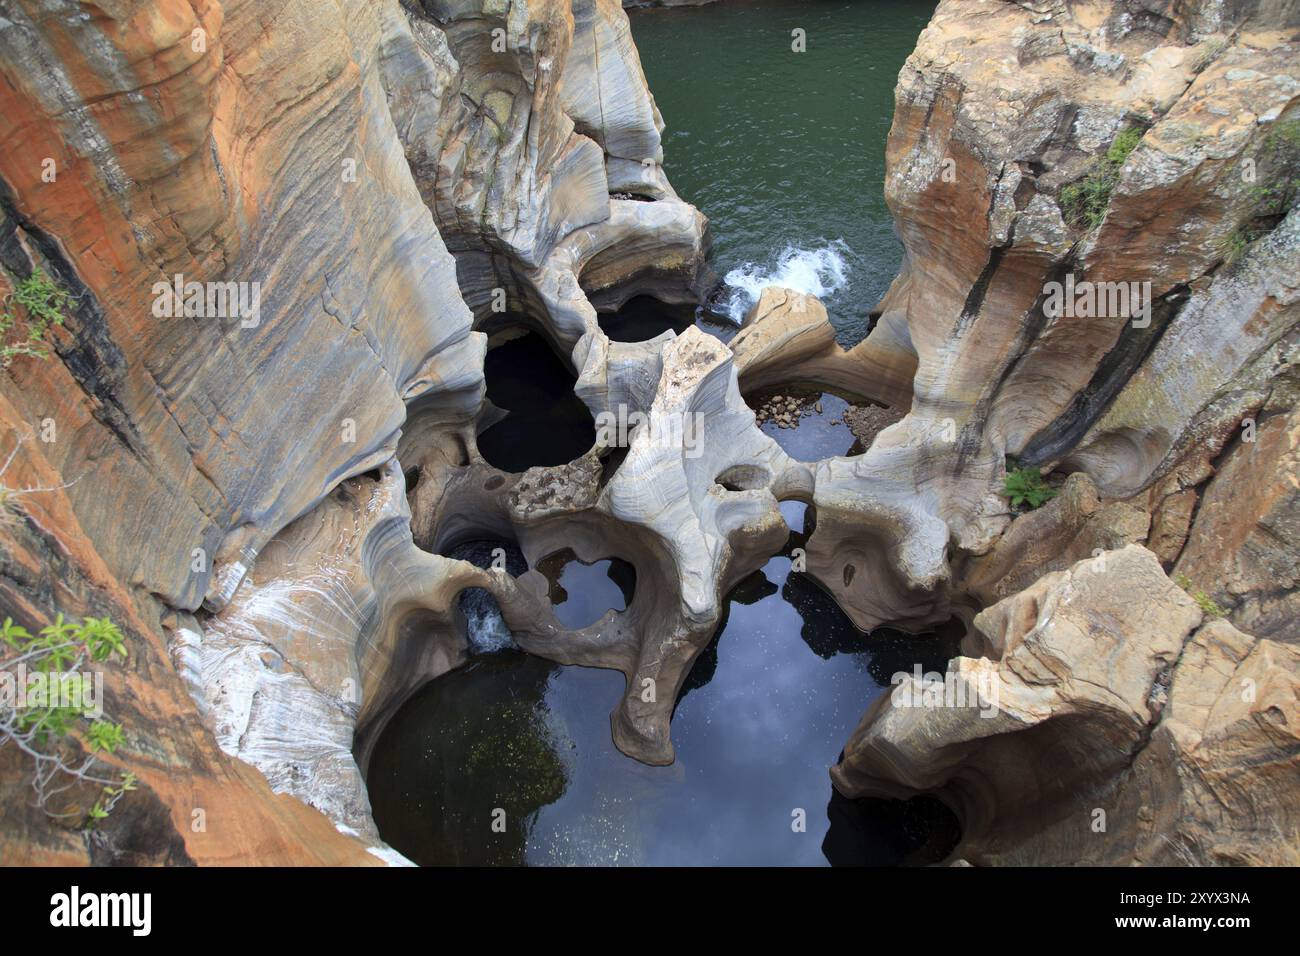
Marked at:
<point>342,616</point>
<point>230,169</point>
<point>1120,729</point>
<point>693,506</point>
<point>193,804</point>
<point>1244,548</point>
<point>325,155</point>
<point>1072,526</point>
<point>999,108</point>
<point>787,337</point>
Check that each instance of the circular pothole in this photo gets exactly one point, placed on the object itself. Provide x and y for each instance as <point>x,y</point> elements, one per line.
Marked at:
<point>545,424</point>
<point>581,593</point>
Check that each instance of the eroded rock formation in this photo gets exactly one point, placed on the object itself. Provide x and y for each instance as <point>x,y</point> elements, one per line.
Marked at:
<point>194,804</point>
<point>1000,111</point>
<point>787,336</point>
<point>1107,722</point>
<point>1002,114</point>
<point>260,496</point>
<point>320,163</point>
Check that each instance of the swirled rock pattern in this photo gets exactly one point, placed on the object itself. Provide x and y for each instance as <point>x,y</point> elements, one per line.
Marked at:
<point>1000,111</point>
<point>693,506</point>
<point>320,162</point>
<point>194,804</point>
<point>257,493</point>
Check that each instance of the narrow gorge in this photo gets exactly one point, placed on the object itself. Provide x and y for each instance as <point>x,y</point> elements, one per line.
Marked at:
<point>534,432</point>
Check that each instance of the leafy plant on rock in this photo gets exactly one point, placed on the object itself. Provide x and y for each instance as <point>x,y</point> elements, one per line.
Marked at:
<point>40,717</point>
<point>1280,157</point>
<point>43,719</point>
<point>1084,202</point>
<point>1277,167</point>
<point>1209,607</point>
<point>43,302</point>
<point>1025,486</point>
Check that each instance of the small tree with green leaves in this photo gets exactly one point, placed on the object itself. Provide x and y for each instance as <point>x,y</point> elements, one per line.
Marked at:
<point>1025,486</point>
<point>43,304</point>
<point>42,720</point>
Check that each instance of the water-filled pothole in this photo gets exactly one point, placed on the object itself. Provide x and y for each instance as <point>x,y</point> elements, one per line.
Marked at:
<point>581,593</point>
<point>546,423</point>
<point>810,425</point>
<point>644,318</point>
<point>763,714</point>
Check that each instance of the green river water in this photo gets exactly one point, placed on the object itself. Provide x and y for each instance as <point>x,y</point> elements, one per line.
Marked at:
<point>784,151</point>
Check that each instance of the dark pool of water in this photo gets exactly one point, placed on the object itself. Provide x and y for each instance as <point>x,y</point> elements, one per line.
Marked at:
<point>644,318</point>
<point>547,424</point>
<point>784,151</point>
<point>762,717</point>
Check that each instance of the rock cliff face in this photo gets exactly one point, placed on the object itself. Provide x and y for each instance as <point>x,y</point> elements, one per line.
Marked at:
<point>261,496</point>
<point>1108,144</point>
<point>1106,723</point>
<point>1109,148</point>
<point>194,804</point>
<point>1008,117</point>
<point>325,160</point>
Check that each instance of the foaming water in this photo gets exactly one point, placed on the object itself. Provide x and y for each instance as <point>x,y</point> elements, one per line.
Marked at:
<point>821,271</point>
<point>486,628</point>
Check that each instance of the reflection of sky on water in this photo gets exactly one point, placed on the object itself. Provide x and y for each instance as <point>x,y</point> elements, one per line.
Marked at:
<point>753,744</point>
<point>764,715</point>
<point>818,435</point>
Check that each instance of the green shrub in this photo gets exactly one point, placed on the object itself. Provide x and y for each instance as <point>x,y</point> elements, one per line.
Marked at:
<point>1025,486</point>
<point>1209,607</point>
<point>1123,146</point>
<point>1084,202</point>
<point>44,303</point>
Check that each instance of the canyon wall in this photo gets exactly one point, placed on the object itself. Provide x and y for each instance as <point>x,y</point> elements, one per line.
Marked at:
<point>259,496</point>
<point>337,167</point>
<point>1106,143</point>
<point>1106,720</point>
<point>1005,114</point>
